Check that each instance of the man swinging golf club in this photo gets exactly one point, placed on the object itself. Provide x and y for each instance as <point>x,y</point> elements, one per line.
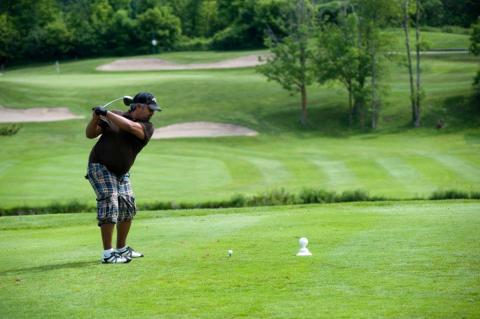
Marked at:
<point>123,135</point>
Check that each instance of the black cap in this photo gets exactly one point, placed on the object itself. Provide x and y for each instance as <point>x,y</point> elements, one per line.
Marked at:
<point>147,98</point>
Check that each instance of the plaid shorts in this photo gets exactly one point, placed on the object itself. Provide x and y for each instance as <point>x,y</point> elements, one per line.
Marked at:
<point>115,199</point>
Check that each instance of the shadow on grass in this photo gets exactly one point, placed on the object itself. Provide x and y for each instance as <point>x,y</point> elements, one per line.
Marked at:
<point>71,265</point>
<point>453,113</point>
<point>329,121</point>
<point>461,111</point>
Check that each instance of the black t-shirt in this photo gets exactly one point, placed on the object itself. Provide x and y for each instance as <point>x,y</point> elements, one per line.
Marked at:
<point>117,149</point>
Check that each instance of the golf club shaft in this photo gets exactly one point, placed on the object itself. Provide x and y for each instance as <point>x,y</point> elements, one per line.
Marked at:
<point>111,102</point>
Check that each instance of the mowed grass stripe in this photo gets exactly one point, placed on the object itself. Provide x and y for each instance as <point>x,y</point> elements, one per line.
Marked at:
<point>339,176</point>
<point>406,174</point>
<point>305,174</point>
<point>244,175</point>
<point>463,168</point>
<point>438,173</point>
<point>189,178</point>
<point>274,173</point>
<point>376,178</point>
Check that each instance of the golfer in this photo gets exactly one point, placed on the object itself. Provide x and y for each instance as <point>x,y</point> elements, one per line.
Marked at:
<point>122,137</point>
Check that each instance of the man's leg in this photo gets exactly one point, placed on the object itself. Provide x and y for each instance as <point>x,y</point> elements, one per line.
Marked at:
<point>127,211</point>
<point>105,186</point>
<point>122,233</point>
<point>107,234</point>
<point>122,248</point>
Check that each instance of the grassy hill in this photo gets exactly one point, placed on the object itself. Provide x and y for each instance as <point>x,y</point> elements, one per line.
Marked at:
<point>45,162</point>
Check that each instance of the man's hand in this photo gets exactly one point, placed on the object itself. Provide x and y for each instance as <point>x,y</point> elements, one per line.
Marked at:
<point>100,110</point>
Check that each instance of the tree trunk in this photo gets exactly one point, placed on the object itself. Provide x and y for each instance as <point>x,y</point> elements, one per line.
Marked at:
<point>350,104</point>
<point>303,117</point>
<point>418,97</point>
<point>409,58</point>
<point>303,66</point>
<point>358,110</point>
<point>374,91</point>
<point>375,101</point>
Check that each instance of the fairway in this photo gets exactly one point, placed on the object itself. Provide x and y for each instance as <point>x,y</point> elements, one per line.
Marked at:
<point>400,260</point>
<point>47,161</point>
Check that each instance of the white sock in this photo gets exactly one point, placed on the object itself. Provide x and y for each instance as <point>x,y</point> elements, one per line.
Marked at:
<point>122,249</point>
<point>108,252</point>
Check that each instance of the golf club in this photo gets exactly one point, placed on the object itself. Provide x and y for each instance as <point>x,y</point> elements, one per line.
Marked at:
<point>127,100</point>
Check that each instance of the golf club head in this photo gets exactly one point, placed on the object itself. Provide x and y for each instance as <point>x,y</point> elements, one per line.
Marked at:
<point>127,100</point>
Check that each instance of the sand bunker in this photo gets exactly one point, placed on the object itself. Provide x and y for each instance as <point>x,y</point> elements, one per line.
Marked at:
<point>158,64</point>
<point>43,114</point>
<point>201,129</point>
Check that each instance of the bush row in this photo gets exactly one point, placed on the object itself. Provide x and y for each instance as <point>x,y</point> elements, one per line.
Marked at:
<point>269,198</point>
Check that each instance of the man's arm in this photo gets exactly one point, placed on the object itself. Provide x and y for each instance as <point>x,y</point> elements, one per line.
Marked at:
<point>93,128</point>
<point>127,125</point>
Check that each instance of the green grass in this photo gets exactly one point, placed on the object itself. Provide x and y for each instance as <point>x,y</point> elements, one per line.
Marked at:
<point>45,162</point>
<point>384,259</point>
<point>205,56</point>
<point>434,40</point>
<point>394,260</point>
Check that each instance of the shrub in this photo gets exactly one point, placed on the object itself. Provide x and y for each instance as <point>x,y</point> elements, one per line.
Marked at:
<point>193,44</point>
<point>238,201</point>
<point>474,195</point>
<point>9,130</point>
<point>271,198</point>
<point>311,196</point>
<point>230,38</point>
<point>353,196</point>
<point>449,194</point>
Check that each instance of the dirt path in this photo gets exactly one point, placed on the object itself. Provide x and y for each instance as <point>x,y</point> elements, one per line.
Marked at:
<point>149,64</point>
<point>201,129</point>
<point>42,114</point>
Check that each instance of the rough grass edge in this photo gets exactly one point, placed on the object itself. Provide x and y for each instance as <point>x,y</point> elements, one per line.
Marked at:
<point>268,198</point>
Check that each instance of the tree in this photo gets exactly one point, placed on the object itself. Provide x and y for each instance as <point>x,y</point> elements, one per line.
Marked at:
<point>158,23</point>
<point>475,49</point>
<point>27,18</point>
<point>54,40</point>
<point>415,90</point>
<point>374,15</point>
<point>291,63</point>
<point>461,12</point>
<point>418,95</point>
<point>208,20</point>
<point>121,33</point>
<point>198,17</point>
<point>8,39</point>
<point>433,13</point>
<point>406,25</point>
<point>89,22</point>
<point>340,57</point>
<point>250,21</point>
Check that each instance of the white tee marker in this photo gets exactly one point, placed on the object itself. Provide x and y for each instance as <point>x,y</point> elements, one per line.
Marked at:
<point>303,242</point>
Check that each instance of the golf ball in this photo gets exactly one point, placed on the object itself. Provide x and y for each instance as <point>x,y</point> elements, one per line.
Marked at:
<point>230,252</point>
